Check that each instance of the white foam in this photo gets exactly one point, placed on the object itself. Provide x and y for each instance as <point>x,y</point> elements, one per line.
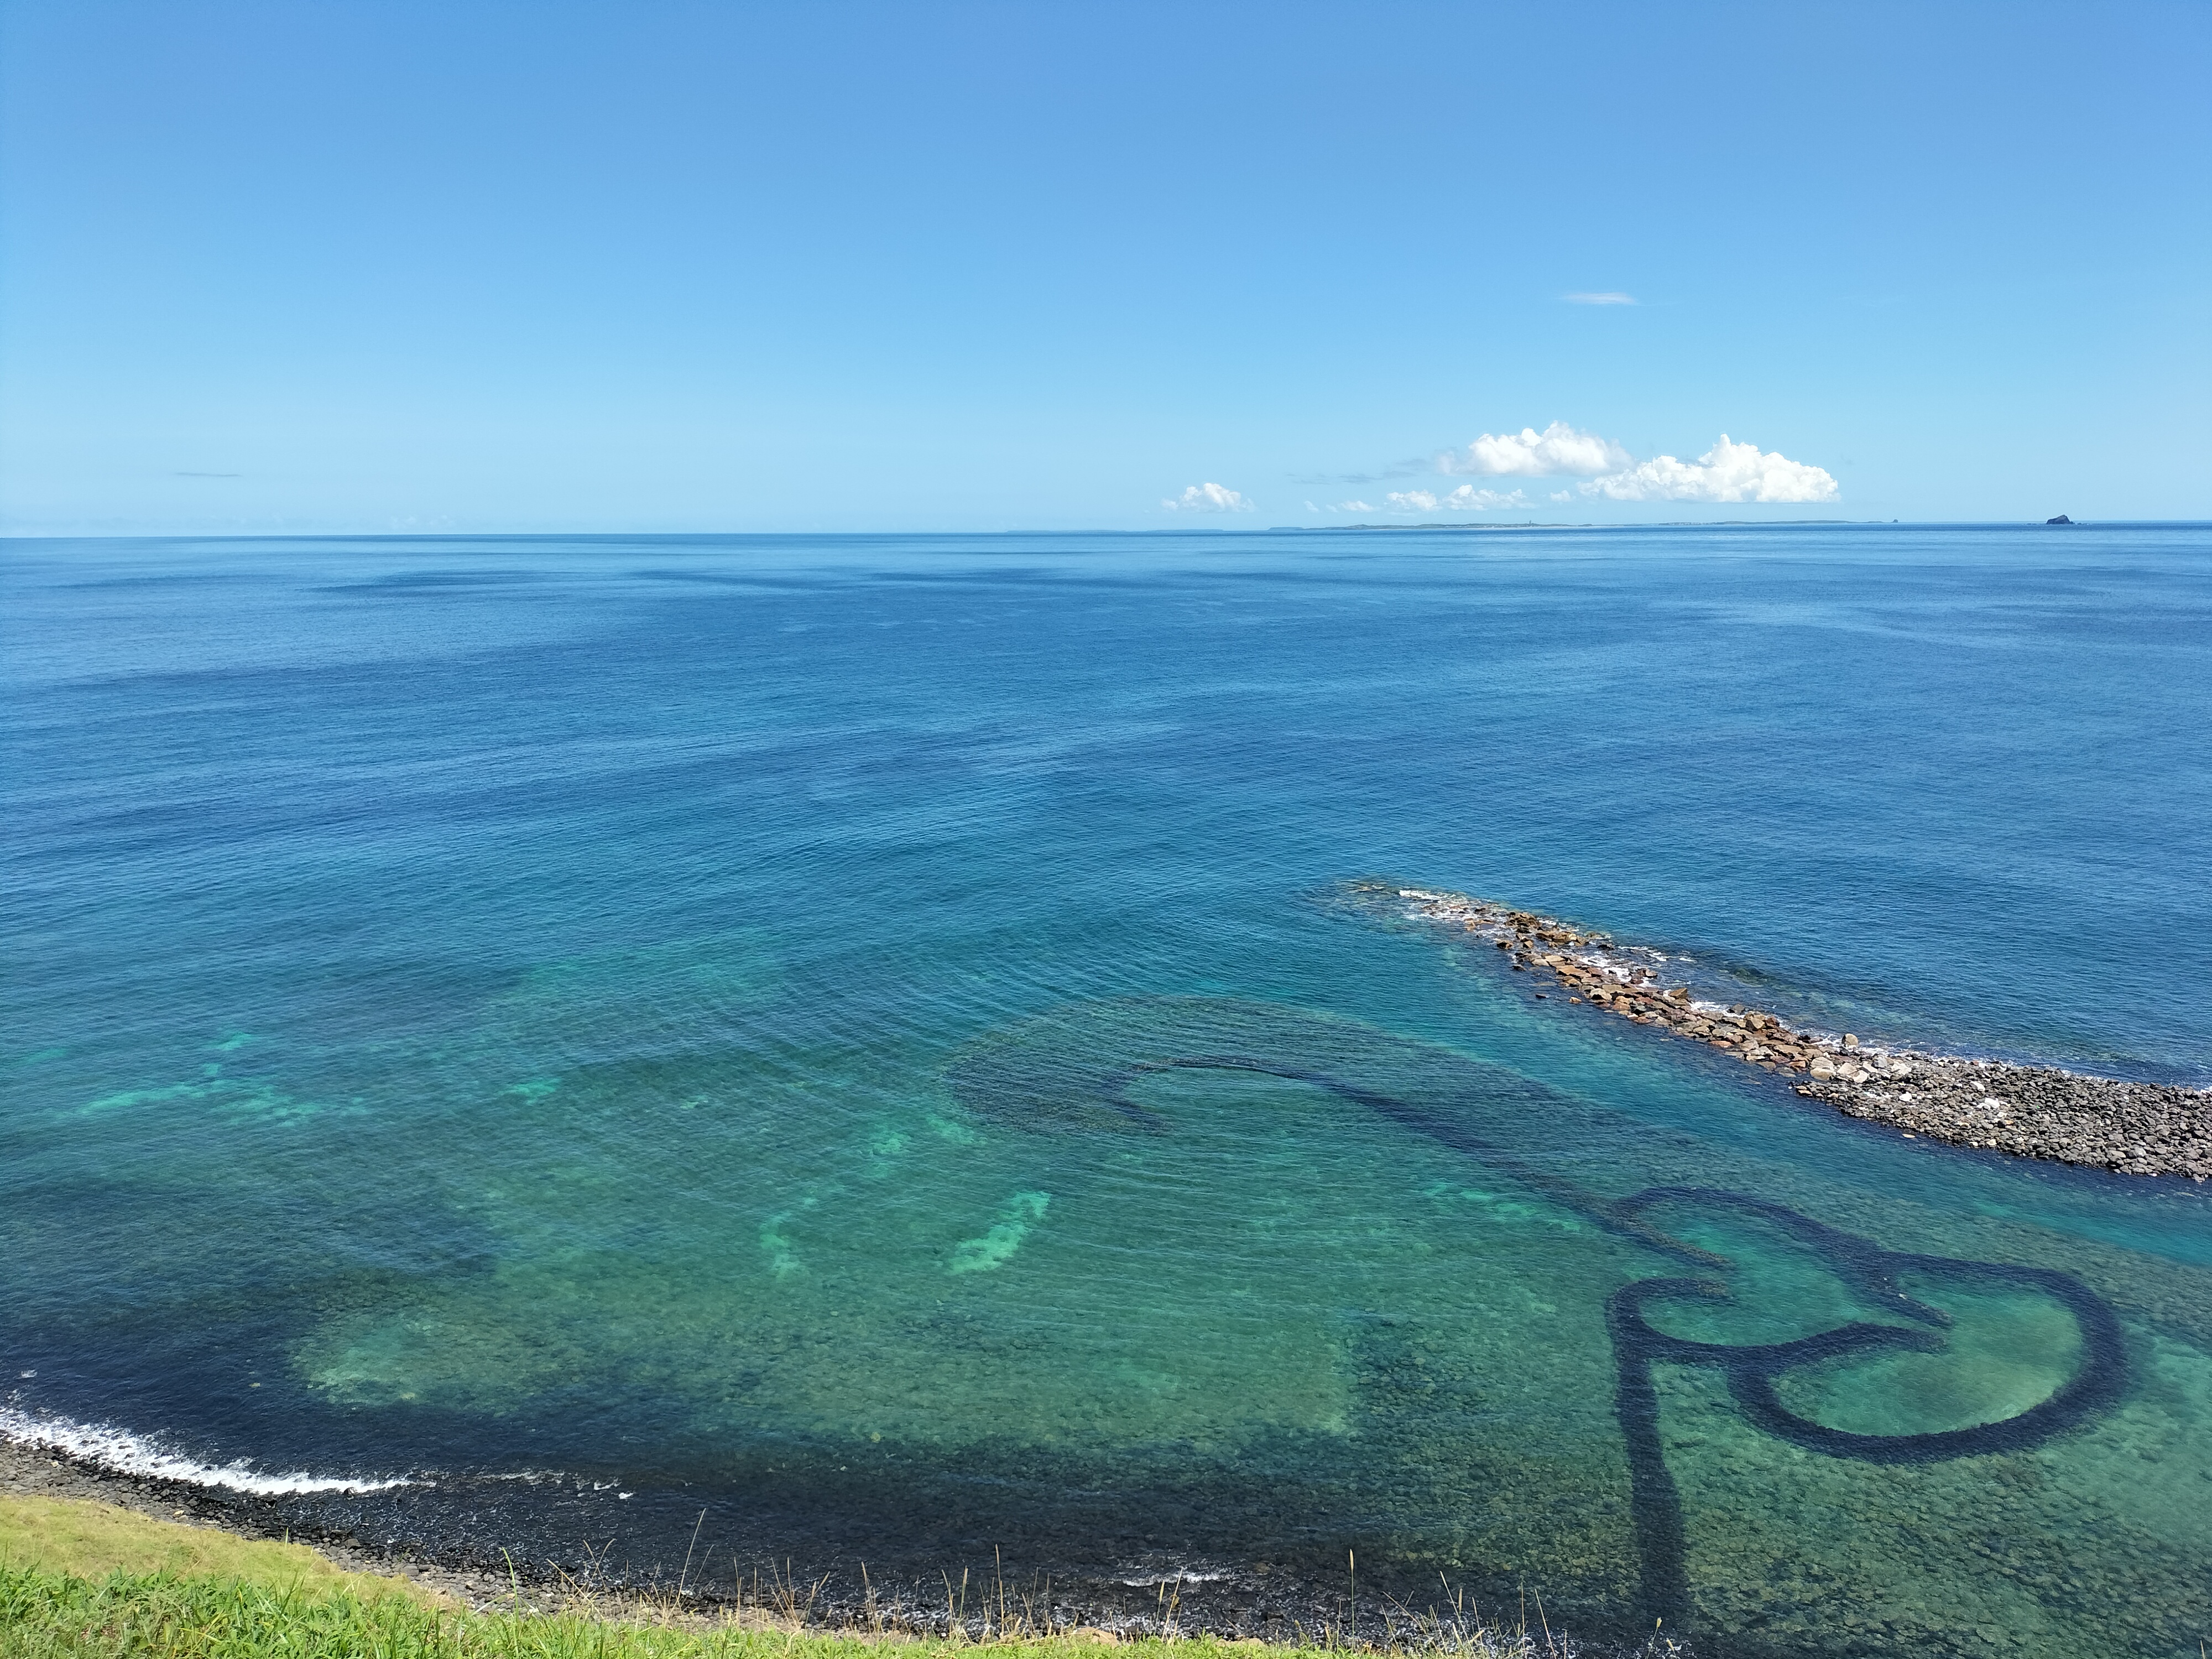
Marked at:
<point>1148,1578</point>
<point>125,1453</point>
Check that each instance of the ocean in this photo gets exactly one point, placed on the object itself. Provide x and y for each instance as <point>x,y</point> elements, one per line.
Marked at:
<point>714,1057</point>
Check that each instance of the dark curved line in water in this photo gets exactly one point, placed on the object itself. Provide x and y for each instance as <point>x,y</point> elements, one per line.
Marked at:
<point>1438,1125</point>
<point>1750,1369</point>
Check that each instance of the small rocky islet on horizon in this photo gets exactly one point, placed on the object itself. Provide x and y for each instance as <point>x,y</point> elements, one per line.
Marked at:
<point>2030,1111</point>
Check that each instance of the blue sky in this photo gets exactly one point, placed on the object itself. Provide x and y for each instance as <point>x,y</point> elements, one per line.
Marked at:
<point>655,265</point>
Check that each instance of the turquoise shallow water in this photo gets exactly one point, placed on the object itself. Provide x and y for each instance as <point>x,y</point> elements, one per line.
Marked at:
<point>869,1038</point>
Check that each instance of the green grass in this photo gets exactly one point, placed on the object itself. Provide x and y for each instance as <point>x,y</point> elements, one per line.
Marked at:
<point>49,1615</point>
<point>89,1581</point>
<point>53,1615</point>
<point>90,1540</point>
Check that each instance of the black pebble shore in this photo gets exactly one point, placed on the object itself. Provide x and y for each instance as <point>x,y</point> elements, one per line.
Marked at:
<point>2030,1111</point>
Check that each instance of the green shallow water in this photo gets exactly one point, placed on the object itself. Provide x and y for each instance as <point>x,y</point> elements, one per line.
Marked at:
<point>1241,1282</point>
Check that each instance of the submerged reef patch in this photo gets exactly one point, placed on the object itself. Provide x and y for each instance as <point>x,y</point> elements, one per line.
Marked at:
<point>997,1246</point>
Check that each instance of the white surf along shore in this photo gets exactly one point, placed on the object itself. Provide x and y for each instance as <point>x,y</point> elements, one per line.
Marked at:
<point>119,1451</point>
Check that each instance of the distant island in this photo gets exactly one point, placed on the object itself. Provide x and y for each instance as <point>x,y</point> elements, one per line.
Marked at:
<point>2061,518</point>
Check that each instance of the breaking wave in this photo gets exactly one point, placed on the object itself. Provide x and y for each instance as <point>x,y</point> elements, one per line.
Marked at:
<point>121,1452</point>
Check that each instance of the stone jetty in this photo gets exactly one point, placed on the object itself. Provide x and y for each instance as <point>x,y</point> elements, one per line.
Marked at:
<point>2031,1111</point>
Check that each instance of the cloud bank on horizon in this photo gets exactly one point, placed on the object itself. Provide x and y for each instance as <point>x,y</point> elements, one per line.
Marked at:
<point>1728,472</point>
<point>1466,499</point>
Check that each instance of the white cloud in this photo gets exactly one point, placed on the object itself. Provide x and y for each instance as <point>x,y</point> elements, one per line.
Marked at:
<point>1468,499</point>
<point>1726,472</point>
<point>1529,453</point>
<point>1609,298</point>
<point>1206,498</point>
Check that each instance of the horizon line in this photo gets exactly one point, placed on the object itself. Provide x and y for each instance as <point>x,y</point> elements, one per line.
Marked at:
<point>1430,527</point>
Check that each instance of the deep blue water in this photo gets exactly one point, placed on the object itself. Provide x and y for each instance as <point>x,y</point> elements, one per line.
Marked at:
<point>621,1011</point>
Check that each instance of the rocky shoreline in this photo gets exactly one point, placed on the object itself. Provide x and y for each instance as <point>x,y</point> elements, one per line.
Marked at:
<point>2031,1111</point>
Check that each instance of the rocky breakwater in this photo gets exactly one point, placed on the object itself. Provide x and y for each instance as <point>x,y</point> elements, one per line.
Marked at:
<point>2032,1111</point>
